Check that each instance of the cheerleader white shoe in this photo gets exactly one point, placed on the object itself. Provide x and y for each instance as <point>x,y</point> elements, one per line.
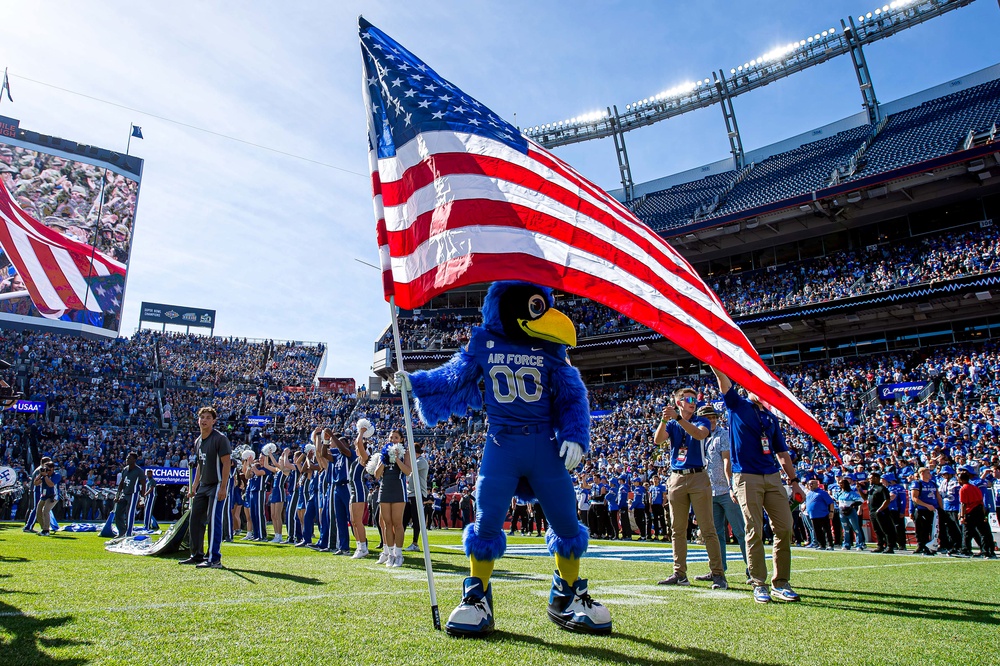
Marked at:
<point>360,552</point>
<point>383,558</point>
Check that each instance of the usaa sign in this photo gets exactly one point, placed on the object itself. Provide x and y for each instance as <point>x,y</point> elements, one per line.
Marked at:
<point>177,314</point>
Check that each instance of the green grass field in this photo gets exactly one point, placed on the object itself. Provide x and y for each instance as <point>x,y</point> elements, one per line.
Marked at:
<point>65,600</point>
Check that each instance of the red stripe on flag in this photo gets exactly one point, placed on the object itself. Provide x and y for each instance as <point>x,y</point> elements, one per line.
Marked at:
<point>55,276</point>
<point>502,214</point>
<point>479,268</point>
<point>445,164</point>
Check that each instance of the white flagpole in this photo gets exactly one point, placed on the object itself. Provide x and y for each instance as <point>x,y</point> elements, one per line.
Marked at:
<point>415,473</point>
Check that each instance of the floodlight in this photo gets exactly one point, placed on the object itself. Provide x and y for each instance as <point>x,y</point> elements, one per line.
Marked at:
<point>732,71</point>
<point>885,8</point>
<point>868,15</point>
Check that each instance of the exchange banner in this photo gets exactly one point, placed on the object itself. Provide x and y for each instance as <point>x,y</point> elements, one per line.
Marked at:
<point>171,475</point>
<point>259,421</point>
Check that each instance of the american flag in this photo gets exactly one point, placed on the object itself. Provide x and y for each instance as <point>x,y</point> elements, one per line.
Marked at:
<point>59,273</point>
<point>462,197</point>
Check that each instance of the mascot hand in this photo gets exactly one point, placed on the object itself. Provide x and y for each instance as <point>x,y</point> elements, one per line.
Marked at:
<point>572,453</point>
<point>402,382</point>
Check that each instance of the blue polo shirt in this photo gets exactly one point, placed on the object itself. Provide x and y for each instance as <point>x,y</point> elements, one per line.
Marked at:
<point>748,424</point>
<point>656,494</point>
<point>686,451</point>
<point>927,493</point>
<point>639,498</point>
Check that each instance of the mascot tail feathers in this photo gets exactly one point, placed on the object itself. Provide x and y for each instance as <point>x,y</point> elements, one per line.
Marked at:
<point>484,550</point>
<point>574,547</point>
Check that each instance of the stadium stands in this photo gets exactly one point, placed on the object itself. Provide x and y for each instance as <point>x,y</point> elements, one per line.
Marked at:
<point>933,129</point>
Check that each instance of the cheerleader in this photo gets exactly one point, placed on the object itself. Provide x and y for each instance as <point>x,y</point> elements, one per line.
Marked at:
<point>291,492</point>
<point>356,484</point>
<point>239,483</point>
<point>255,496</point>
<point>324,490</point>
<point>392,467</point>
<point>277,498</point>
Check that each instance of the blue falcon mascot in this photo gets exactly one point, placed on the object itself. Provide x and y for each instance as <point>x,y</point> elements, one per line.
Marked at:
<point>539,428</point>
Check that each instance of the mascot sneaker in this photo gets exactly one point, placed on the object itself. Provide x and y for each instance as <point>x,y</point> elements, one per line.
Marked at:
<point>474,616</point>
<point>571,607</point>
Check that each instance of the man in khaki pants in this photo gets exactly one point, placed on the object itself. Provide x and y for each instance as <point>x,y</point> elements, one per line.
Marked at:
<point>758,454</point>
<point>689,485</point>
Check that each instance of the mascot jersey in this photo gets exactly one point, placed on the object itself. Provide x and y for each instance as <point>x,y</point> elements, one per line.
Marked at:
<point>518,386</point>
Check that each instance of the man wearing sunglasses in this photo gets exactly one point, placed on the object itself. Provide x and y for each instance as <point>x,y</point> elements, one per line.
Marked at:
<point>689,485</point>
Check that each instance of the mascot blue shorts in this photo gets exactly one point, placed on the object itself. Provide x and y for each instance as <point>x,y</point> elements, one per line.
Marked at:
<point>539,427</point>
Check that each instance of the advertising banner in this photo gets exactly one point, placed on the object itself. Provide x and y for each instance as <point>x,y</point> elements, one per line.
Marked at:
<point>259,421</point>
<point>171,475</point>
<point>893,391</point>
<point>28,407</point>
<point>180,315</point>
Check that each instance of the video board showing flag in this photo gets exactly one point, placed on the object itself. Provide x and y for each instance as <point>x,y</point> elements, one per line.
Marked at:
<point>67,219</point>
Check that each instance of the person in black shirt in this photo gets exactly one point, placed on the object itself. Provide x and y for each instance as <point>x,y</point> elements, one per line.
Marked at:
<point>208,495</point>
<point>878,511</point>
<point>127,498</point>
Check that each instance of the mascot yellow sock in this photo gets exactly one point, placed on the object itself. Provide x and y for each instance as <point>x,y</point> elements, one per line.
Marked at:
<point>568,567</point>
<point>483,569</point>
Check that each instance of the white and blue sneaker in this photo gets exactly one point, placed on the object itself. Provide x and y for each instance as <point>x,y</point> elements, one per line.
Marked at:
<point>784,594</point>
<point>761,595</point>
<point>474,616</point>
<point>571,607</point>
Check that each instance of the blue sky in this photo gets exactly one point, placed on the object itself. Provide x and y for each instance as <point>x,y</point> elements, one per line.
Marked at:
<point>270,241</point>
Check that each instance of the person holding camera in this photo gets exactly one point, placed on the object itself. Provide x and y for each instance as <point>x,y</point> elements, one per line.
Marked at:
<point>126,499</point>
<point>47,497</point>
<point>689,486</point>
<point>36,495</point>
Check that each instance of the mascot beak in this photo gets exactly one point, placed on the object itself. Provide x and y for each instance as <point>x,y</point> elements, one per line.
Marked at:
<point>553,326</point>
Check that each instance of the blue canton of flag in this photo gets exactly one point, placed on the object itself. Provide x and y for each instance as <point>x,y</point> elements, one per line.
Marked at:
<point>406,97</point>
<point>109,290</point>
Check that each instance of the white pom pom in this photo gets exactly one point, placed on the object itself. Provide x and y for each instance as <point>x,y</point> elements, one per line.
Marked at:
<point>268,449</point>
<point>372,464</point>
<point>365,428</point>
<point>248,455</point>
<point>310,448</point>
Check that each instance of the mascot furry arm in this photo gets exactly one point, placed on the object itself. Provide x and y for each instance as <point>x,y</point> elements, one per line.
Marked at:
<point>508,311</point>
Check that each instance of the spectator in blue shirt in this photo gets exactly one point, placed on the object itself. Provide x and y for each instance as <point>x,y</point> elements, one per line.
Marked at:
<point>926,500</point>
<point>657,515</point>
<point>849,501</point>
<point>758,453</point>
<point>689,486</point>
<point>818,504</point>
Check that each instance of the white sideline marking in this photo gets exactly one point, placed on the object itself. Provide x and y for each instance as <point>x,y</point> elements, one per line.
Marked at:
<point>876,566</point>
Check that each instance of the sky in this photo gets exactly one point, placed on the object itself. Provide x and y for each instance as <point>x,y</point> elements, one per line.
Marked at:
<point>274,242</point>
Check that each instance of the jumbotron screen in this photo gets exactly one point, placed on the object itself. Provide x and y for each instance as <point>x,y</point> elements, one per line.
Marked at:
<point>67,219</point>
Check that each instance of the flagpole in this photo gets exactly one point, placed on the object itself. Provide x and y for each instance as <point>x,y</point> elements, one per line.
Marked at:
<point>415,473</point>
<point>128,145</point>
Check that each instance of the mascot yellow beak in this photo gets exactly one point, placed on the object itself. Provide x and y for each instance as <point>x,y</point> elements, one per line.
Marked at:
<point>553,326</point>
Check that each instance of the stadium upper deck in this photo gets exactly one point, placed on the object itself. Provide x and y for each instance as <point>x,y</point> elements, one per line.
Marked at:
<point>950,123</point>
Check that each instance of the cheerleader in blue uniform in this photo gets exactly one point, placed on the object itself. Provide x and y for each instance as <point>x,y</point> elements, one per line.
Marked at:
<point>277,497</point>
<point>356,485</point>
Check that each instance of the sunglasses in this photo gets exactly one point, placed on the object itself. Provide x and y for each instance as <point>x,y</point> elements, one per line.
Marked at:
<point>689,400</point>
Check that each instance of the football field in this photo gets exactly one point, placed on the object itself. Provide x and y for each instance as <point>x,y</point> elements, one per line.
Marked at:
<point>65,600</point>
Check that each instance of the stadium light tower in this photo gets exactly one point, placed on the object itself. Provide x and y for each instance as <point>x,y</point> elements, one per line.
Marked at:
<point>776,64</point>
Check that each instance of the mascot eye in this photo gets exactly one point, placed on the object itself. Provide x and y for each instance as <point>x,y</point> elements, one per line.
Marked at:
<point>537,305</point>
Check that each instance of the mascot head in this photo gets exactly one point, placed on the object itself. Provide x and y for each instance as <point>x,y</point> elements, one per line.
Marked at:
<point>523,312</point>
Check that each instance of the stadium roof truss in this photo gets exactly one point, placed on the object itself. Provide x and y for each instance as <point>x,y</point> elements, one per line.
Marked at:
<point>778,63</point>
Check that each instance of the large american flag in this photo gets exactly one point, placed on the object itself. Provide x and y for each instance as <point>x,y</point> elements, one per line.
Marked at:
<point>60,274</point>
<point>462,197</point>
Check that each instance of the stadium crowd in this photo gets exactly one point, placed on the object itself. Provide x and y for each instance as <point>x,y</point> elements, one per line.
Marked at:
<point>831,277</point>
<point>106,398</point>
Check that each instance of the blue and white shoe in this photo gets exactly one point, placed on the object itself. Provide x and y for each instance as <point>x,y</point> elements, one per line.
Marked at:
<point>571,607</point>
<point>474,616</point>
<point>784,594</point>
<point>761,595</point>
